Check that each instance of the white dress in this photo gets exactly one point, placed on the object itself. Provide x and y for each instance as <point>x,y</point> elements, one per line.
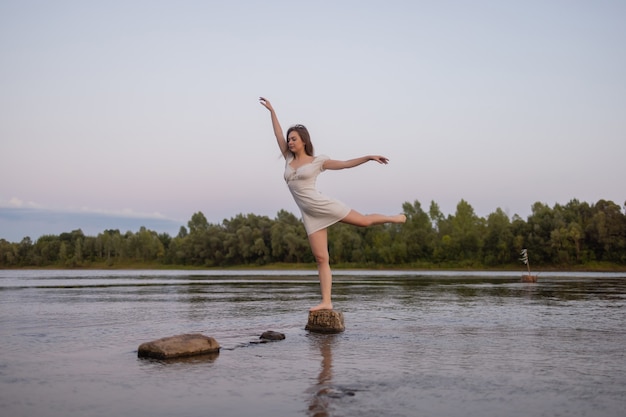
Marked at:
<point>318,211</point>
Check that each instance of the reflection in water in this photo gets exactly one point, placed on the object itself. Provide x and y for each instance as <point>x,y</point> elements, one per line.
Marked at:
<point>324,391</point>
<point>206,358</point>
<point>319,404</point>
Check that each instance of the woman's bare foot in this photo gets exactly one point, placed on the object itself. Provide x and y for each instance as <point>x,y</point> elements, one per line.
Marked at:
<point>322,306</point>
<point>400,218</point>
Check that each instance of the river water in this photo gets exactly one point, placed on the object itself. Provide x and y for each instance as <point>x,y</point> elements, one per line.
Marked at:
<point>416,344</point>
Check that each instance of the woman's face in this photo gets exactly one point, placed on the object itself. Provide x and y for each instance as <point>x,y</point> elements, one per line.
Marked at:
<point>294,141</point>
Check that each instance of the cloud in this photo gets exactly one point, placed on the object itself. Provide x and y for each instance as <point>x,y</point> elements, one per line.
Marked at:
<point>127,212</point>
<point>19,220</point>
<point>15,202</point>
<point>18,203</point>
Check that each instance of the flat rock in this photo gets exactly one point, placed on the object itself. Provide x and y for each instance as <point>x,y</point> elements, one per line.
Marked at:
<point>325,321</point>
<point>178,346</point>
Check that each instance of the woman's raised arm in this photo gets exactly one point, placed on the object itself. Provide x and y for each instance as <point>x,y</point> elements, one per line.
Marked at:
<point>351,163</point>
<point>278,131</point>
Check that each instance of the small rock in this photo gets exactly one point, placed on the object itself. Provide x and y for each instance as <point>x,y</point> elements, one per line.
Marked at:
<point>529,278</point>
<point>178,346</point>
<point>325,321</point>
<point>335,392</point>
<point>272,335</point>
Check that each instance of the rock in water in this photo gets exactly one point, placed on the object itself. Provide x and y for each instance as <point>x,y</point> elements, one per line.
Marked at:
<point>178,346</point>
<point>325,321</point>
<point>272,335</point>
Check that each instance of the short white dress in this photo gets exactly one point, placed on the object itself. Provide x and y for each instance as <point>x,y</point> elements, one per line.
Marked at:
<point>318,211</point>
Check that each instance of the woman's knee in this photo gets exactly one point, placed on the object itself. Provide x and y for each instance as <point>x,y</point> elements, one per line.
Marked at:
<point>321,257</point>
<point>363,221</point>
<point>366,221</point>
<point>319,246</point>
<point>357,219</point>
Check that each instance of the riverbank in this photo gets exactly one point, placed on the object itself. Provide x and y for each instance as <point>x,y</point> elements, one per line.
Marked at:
<point>589,267</point>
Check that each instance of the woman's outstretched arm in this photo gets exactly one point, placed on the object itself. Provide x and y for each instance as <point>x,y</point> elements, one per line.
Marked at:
<point>351,163</point>
<point>278,131</point>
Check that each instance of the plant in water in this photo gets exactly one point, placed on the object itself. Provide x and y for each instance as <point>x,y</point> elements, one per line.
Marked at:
<point>524,258</point>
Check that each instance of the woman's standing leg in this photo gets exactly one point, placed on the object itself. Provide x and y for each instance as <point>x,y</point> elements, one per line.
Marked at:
<point>319,246</point>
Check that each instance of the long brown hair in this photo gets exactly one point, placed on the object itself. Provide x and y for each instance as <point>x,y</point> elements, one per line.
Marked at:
<point>306,138</point>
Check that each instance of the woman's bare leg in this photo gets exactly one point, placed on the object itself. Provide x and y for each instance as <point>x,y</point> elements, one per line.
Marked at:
<point>319,246</point>
<point>363,220</point>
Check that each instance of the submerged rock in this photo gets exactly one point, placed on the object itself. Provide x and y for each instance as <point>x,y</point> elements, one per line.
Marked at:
<point>178,346</point>
<point>335,392</point>
<point>272,335</point>
<point>325,321</point>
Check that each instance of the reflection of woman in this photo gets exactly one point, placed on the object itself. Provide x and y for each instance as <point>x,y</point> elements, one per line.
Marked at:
<point>318,407</point>
<point>318,211</point>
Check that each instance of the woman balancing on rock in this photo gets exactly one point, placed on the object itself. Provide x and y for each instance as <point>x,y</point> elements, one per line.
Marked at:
<point>319,211</point>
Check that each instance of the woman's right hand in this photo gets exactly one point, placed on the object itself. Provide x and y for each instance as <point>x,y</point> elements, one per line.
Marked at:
<point>278,131</point>
<point>266,103</point>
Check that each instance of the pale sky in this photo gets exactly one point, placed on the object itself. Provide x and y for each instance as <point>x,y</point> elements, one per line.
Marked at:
<point>149,109</point>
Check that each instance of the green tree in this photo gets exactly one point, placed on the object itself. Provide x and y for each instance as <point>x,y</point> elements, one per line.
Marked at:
<point>25,252</point>
<point>47,250</point>
<point>182,232</point>
<point>198,223</point>
<point>442,250</point>
<point>345,244</point>
<point>63,253</point>
<point>577,217</point>
<point>9,255</point>
<point>418,232</point>
<point>607,232</point>
<point>498,248</point>
<point>204,246</point>
<point>539,241</point>
<point>466,237</point>
<point>107,251</point>
<point>145,245</point>
<point>288,239</point>
<point>248,239</point>
<point>78,251</point>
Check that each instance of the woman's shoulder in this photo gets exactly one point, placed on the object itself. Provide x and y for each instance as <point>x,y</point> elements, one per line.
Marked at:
<point>319,160</point>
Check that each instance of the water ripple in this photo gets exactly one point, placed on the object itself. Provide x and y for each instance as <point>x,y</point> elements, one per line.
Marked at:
<point>436,344</point>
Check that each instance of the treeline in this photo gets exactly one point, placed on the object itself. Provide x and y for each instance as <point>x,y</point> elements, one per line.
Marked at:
<point>577,233</point>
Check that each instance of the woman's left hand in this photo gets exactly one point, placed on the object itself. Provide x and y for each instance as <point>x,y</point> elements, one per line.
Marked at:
<point>380,159</point>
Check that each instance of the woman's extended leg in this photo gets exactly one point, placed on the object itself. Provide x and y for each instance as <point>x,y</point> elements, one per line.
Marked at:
<point>319,245</point>
<point>363,220</point>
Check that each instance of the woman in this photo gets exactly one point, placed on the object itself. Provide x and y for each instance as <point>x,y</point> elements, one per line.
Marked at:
<point>318,211</point>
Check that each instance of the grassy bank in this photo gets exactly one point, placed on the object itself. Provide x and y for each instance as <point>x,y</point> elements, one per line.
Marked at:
<point>417,266</point>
